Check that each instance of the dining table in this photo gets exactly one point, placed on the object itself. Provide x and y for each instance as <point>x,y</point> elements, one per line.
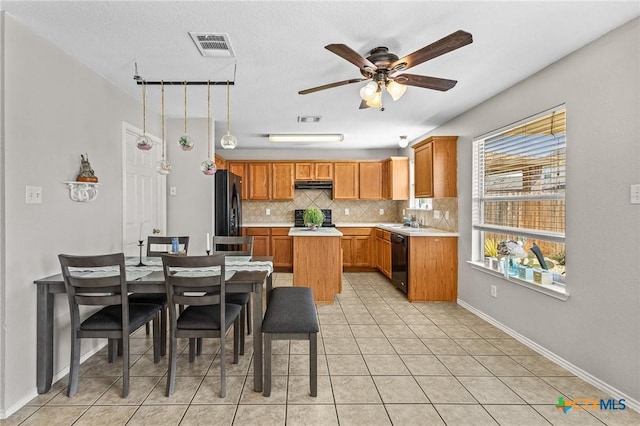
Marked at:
<point>244,274</point>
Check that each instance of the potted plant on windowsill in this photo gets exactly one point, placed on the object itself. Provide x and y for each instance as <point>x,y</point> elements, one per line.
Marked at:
<point>313,218</point>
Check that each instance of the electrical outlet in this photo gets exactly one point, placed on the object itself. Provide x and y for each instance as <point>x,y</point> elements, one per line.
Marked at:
<point>494,291</point>
<point>635,194</point>
<point>34,195</point>
<point>436,214</point>
<point>346,212</point>
<point>173,191</point>
<point>403,212</point>
<point>381,212</point>
<point>446,215</point>
<point>268,212</point>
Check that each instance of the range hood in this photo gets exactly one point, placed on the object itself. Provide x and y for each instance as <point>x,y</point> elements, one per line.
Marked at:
<point>313,184</point>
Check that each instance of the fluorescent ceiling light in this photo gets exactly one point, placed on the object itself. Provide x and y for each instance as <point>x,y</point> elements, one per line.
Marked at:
<point>308,137</point>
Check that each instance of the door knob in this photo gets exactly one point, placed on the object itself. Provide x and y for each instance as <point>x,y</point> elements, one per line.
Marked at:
<point>156,231</point>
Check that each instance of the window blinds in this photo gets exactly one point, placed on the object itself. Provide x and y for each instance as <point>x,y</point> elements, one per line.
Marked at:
<point>520,181</point>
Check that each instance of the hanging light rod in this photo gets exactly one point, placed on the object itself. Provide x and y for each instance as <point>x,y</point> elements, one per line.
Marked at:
<point>182,83</point>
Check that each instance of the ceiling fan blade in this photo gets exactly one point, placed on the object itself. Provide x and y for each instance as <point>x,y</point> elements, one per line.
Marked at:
<point>351,55</point>
<point>426,82</point>
<point>363,105</point>
<point>446,44</point>
<point>330,85</point>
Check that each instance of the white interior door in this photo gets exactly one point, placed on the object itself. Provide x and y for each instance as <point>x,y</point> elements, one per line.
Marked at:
<point>144,192</point>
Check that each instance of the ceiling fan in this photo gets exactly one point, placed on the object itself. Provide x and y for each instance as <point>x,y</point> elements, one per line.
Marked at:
<point>381,67</point>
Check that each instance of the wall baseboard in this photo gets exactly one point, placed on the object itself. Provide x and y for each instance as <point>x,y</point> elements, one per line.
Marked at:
<point>587,377</point>
<point>59,375</point>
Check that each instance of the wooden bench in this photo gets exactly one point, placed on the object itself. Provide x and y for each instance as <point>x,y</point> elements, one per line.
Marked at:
<point>291,315</point>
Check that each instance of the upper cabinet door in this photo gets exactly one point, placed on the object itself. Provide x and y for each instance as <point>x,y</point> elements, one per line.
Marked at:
<point>370,176</point>
<point>323,170</point>
<point>436,167</point>
<point>345,182</point>
<point>282,181</point>
<point>304,171</point>
<point>259,181</point>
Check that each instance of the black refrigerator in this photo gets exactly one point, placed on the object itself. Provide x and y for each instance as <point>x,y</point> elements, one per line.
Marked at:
<point>228,212</point>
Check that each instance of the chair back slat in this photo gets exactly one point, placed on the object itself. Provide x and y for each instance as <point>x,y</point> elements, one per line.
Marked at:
<point>190,289</point>
<point>165,242</point>
<point>233,245</point>
<point>94,290</point>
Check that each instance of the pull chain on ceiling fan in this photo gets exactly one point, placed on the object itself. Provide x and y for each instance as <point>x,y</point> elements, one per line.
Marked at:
<point>381,67</point>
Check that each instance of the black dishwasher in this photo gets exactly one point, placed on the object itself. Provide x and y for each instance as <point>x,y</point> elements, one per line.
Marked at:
<point>400,261</point>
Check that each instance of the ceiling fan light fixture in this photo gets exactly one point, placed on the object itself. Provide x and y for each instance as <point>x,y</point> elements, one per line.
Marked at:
<point>376,101</point>
<point>368,91</point>
<point>308,137</point>
<point>396,90</point>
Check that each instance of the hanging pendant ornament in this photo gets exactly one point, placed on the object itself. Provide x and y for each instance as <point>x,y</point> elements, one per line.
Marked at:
<point>185,142</point>
<point>163,167</point>
<point>143,142</point>
<point>228,141</point>
<point>208,166</point>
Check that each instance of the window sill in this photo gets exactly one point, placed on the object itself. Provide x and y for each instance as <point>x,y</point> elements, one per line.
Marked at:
<point>554,290</point>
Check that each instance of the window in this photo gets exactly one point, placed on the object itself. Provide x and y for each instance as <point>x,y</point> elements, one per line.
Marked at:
<point>519,188</point>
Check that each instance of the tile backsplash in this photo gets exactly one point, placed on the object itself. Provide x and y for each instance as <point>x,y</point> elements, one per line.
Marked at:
<point>447,210</point>
<point>365,211</point>
<point>360,211</point>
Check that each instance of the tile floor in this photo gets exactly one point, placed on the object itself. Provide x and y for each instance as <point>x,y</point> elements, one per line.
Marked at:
<point>382,361</point>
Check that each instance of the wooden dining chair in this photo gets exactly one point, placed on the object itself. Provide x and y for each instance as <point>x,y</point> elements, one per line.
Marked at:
<point>161,246</point>
<point>206,315</point>
<point>237,246</point>
<point>115,321</point>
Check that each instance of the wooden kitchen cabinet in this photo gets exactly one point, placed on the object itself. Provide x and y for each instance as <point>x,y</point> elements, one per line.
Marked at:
<point>395,178</point>
<point>357,247</point>
<point>435,167</point>
<point>314,170</point>
<point>239,168</point>
<point>345,182</point>
<point>281,248</point>
<point>370,178</point>
<point>282,181</point>
<point>219,162</point>
<point>383,252</point>
<point>433,269</point>
<point>261,240</point>
<point>259,181</point>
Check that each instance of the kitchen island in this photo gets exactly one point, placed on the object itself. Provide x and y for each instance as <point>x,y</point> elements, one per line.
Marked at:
<point>317,262</point>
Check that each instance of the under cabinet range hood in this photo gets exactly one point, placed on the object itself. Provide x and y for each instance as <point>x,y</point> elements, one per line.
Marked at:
<point>313,184</point>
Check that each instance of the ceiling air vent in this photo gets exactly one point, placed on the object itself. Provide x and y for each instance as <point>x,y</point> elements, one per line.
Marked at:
<point>211,44</point>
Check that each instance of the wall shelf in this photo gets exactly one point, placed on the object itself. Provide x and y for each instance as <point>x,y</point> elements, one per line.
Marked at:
<point>82,191</point>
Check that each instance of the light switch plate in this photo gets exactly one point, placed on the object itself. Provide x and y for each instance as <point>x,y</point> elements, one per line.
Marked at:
<point>436,214</point>
<point>381,212</point>
<point>268,212</point>
<point>346,212</point>
<point>173,191</point>
<point>635,194</point>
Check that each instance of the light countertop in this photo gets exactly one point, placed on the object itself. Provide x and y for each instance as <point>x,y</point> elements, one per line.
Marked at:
<point>320,232</point>
<point>398,228</point>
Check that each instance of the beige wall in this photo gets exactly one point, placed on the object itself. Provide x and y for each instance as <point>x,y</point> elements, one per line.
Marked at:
<point>54,110</point>
<point>597,329</point>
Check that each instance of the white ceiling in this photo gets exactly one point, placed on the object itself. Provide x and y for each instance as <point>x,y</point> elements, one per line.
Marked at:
<point>280,50</point>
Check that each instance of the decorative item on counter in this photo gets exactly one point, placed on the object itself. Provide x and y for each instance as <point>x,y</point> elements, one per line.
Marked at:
<point>509,251</point>
<point>163,167</point>
<point>143,142</point>
<point>541,276</point>
<point>208,166</point>
<point>525,272</point>
<point>313,218</point>
<point>86,172</point>
<point>491,253</point>
<point>185,141</point>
